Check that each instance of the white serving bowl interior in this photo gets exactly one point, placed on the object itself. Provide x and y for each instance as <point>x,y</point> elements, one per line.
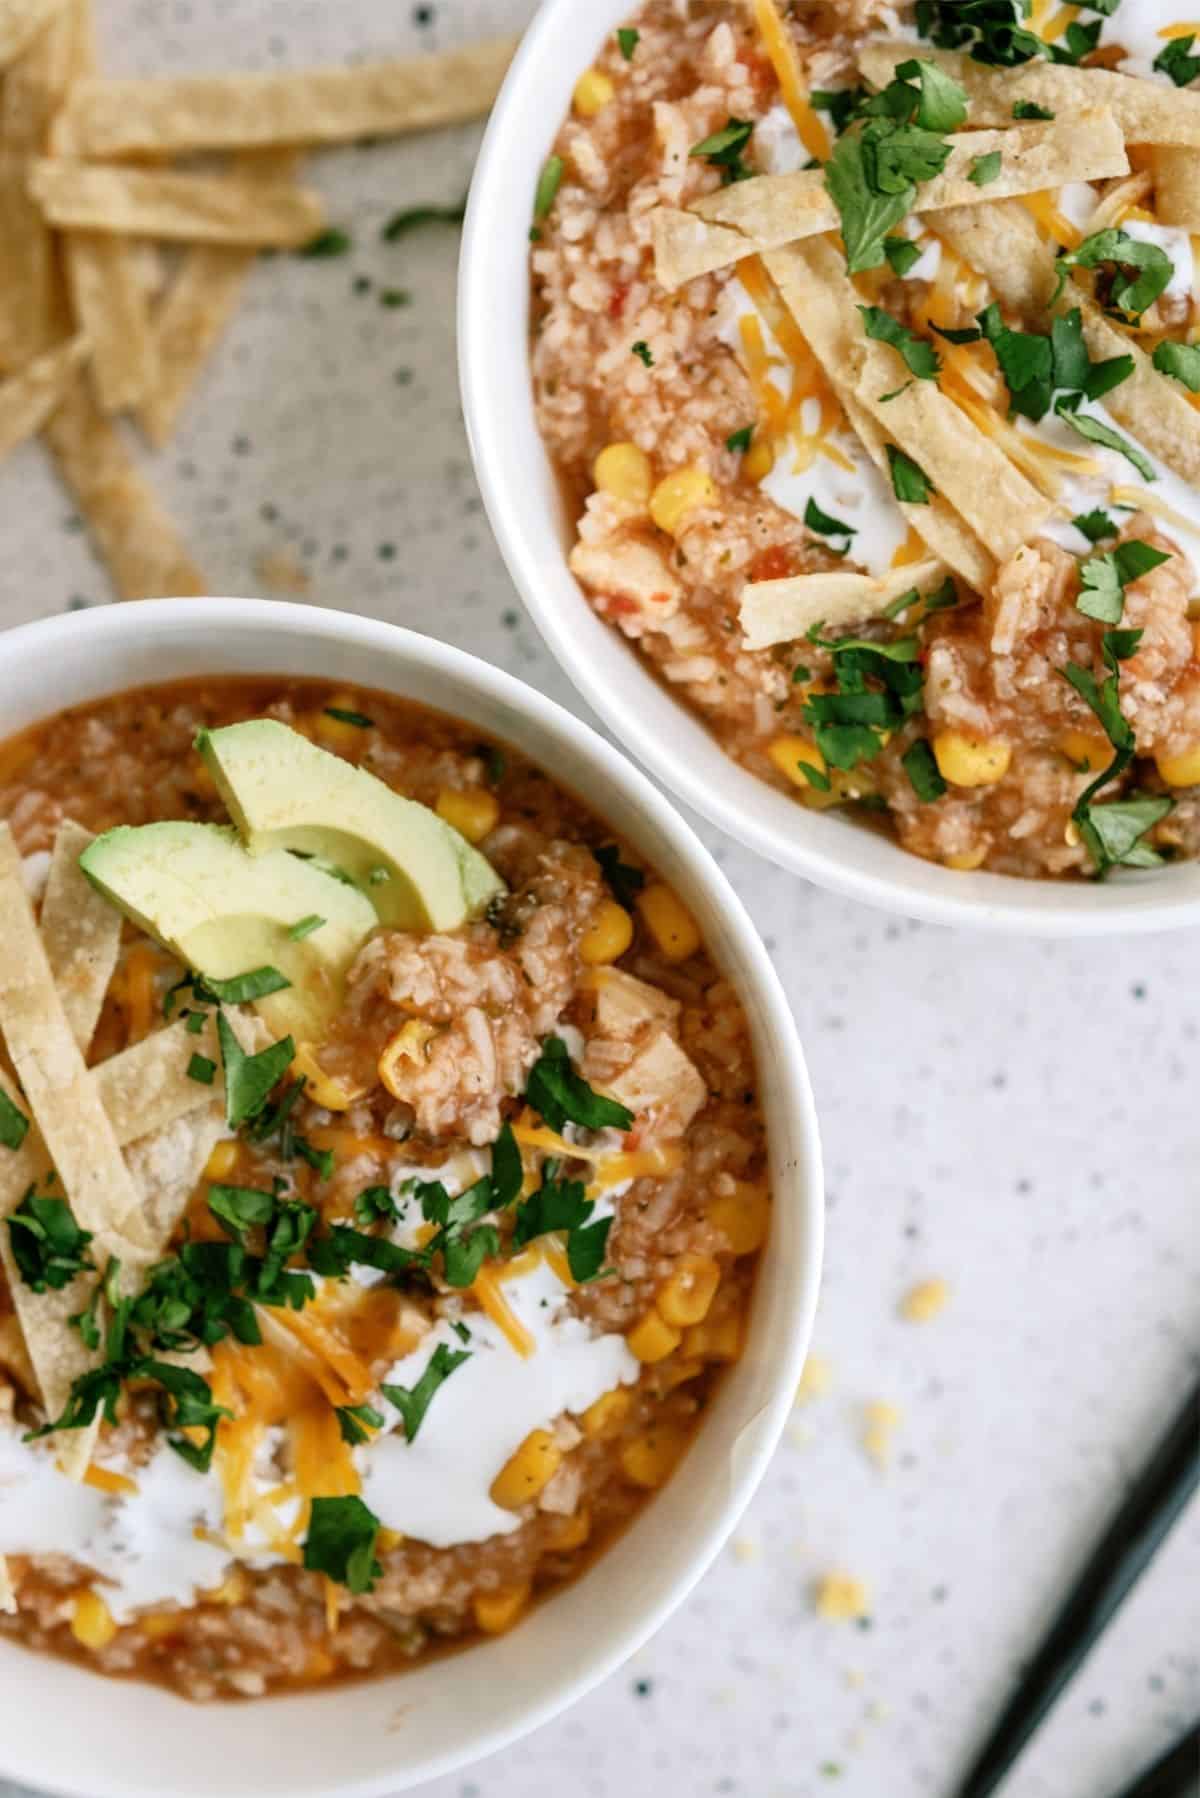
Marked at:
<point>125,1740</point>
<point>527,514</point>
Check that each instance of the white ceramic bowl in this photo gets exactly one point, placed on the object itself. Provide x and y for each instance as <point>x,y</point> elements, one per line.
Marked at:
<point>66,1730</point>
<point>529,519</point>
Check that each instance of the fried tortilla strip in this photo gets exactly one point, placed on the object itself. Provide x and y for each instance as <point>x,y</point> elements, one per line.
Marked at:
<point>8,1595</point>
<point>1177,187</point>
<point>81,932</point>
<point>147,1088</point>
<point>174,114</point>
<point>1004,246</point>
<point>60,1091</point>
<point>782,611</point>
<point>33,309</point>
<point>769,210</point>
<point>185,208</point>
<point>113,309</point>
<point>167,1166</point>
<point>197,307</point>
<point>28,398</point>
<point>1147,112</point>
<point>998,504</point>
<point>20,23</point>
<point>138,541</point>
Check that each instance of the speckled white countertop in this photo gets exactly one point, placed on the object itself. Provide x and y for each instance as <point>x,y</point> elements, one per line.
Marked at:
<point>1018,1119</point>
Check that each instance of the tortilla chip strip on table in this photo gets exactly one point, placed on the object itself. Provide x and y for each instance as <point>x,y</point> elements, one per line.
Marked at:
<point>963,465</point>
<point>33,312</point>
<point>1005,247</point>
<point>782,611</point>
<point>138,541</point>
<point>769,210</point>
<point>20,23</point>
<point>172,115</point>
<point>186,208</point>
<point>1147,112</point>
<point>28,397</point>
<point>81,933</point>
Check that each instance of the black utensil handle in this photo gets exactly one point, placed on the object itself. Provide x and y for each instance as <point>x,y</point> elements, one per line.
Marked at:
<point>1175,1775</point>
<point>1136,1532</point>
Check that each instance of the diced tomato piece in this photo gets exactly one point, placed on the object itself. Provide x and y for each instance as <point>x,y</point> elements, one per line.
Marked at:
<point>617,299</point>
<point>773,564</point>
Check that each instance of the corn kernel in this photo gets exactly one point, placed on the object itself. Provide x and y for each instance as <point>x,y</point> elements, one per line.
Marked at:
<point>716,1339</point>
<point>335,733</point>
<point>321,1087</point>
<point>678,1374</point>
<point>650,1459</point>
<point>593,91</point>
<point>925,1301</point>
<point>839,1597</point>
<point>607,936</point>
<point>623,471</point>
<point>966,860</point>
<point>387,1540</point>
<point>1085,749</point>
<point>573,1531</point>
<point>408,1044</point>
<point>232,1589</point>
<point>652,1338</point>
<point>669,922</point>
<point>742,1217</point>
<point>320,1663</point>
<point>158,1624</point>
<point>496,1612</point>
<point>222,1161</point>
<point>791,755</point>
<point>967,761</point>
<point>92,1623</point>
<point>678,494</point>
<point>1180,770</point>
<point>525,1473</point>
<point>607,1414</point>
<point>758,460</point>
<point>472,814</point>
<point>686,1296</point>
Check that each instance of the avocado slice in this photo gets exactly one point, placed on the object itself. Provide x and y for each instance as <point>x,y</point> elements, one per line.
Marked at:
<point>194,888</point>
<point>283,792</point>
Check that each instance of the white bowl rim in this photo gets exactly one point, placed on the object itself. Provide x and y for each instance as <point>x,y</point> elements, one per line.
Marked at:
<point>759,1435</point>
<point>513,482</point>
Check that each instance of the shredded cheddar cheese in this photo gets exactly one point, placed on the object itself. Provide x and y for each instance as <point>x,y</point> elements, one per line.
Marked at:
<point>486,1290</point>
<point>1044,209</point>
<point>784,60</point>
<point>105,1479</point>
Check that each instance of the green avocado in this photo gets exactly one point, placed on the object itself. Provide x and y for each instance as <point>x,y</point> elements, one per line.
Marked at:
<point>283,792</point>
<point>223,912</point>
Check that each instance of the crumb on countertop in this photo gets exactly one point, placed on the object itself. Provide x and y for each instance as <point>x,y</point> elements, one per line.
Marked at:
<point>880,1423</point>
<point>815,1381</point>
<point>925,1301</point>
<point>839,1598</point>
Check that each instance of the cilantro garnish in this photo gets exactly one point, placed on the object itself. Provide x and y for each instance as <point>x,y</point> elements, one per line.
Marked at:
<point>342,1533</point>
<point>47,1244</point>
<point>1096,431</point>
<point>1026,362</point>
<point>243,987</point>
<point>821,522</point>
<point>356,1422</point>
<point>627,40</point>
<point>723,150</point>
<point>851,724</point>
<point>738,442</point>
<point>333,1254</point>
<point>358,719</point>
<point>985,169</point>
<point>1179,360</point>
<point>14,1125</point>
<point>413,1402</point>
<point>641,349</point>
<point>564,1205</point>
<point>414,217</point>
<point>920,764</point>
<point>1119,826</point>
<point>562,1096</point>
<point>1076,42</point>
<point>910,483</point>
<point>305,927</point>
<point>624,881</point>
<point>969,333</point>
<point>918,355</point>
<point>1176,60</point>
<point>333,242</point>
<point>1095,525</point>
<point>249,1079</point>
<point>1104,578</point>
<point>902,254</point>
<point>840,104</point>
<point>1112,831</point>
<point>1140,271</point>
<point>201,1069</point>
<point>375,1203</point>
<point>546,192</point>
<point>990,31</point>
<point>1029,109</point>
<point>873,174</point>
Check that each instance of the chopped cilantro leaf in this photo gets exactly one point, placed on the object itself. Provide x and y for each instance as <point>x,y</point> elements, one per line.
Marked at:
<point>941,102</point>
<point>624,881</point>
<point>1104,578</point>
<point>1095,525</point>
<point>201,1069</point>
<point>14,1125</point>
<point>1141,271</point>
<point>1176,60</point>
<point>332,242</point>
<point>723,150</point>
<point>819,521</point>
<point>358,719</point>
<point>549,182</point>
<point>342,1533</point>
<point>985,169</point>
<point>1071,366</point>
<point>414,217</point>
<point>374,1203</point>
<point>556,1205</point>
<point>241,1208</point>
<point>413,1402</point>
<point>245,987</point>
<point>920,765</point>
<point>1119,825</point>
<point>1096,431</point>
<point>902,254</point>
<point>356,1422</point>
<point>586,1248</point>
<point>840,104</point>
<point>306,926</point>
<point>1076,42</point>
<point>815,777</point>
<point>1029,109</point>
<point>465,1253</point>
<point>643,352</point>
<point>1179,360</point>
<point>47,1244</point>
<point>910,483</point>
<point>627,39</point>
<point>508,1173</point>
<point>919,356</point>
<point>868,214</point>
<point>562,1096</point>
<point>1026,362</point>
<point>250,1078</point>
<point>990,31</point>
<point>333,1254</point>
<point>1102,377</point>
<point>970,334</point>
<point>738,442</point>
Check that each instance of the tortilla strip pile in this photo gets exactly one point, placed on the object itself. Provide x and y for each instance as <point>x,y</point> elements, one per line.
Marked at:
<point>86,330</point>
